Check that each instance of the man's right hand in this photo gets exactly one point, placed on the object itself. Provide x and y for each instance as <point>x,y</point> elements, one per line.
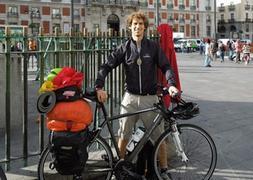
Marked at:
<point>102,95</point>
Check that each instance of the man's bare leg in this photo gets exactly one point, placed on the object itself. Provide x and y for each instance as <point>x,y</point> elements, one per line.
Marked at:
<point>162,156</point>
<point>122,143</point>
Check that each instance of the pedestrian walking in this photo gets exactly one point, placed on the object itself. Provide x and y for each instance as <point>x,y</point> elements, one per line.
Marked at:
<point>214,49</point>
<point>246,53</point>
<point>222,49</point>
<point>238,50</point>
<point>207,60</point>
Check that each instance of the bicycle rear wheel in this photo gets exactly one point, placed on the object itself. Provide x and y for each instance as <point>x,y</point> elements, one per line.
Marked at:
<point>199,149</point>
<point>98,166</point>
<point>2,174</point>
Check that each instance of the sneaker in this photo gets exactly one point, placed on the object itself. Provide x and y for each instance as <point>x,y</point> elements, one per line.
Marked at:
<point>166,175</point>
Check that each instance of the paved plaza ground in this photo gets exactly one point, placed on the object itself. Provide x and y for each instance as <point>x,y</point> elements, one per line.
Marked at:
<point>224,94</point>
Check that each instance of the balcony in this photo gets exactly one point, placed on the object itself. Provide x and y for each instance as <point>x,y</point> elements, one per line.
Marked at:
<point>12,14</point>
<point>35,16</point>
<point>221,9</point>
<point>193,8</point>
<point>181,6</point>
<point>247,7</point>
<point>231,20</point>
<point>181,20</point>
<point>208,8</point>
<point>76,16</point>
<point>231,7</point>
<point>248,20</point>
<point>56,16</point>
<point>192,21</point>
<point>143,4</point>
<point>171,20</point>
<point>221,21</point>
<point>170,6</point>
<point>128,3</point>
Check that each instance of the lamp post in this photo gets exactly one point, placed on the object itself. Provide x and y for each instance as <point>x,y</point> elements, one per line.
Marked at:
<point>72,15</point>
<point>157,13</point>
<point>215,23</point>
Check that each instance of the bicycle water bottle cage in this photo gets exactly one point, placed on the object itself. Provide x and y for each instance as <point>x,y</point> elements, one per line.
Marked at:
<point>185,110</point>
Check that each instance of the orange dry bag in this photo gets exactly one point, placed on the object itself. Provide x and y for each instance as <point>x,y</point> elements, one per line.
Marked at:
<point>70,116</point>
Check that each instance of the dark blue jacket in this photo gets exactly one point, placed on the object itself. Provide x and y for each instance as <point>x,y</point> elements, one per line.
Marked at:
<point>140,78</point>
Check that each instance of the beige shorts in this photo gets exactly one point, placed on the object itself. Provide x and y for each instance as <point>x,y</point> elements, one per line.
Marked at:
<point>132,103</point>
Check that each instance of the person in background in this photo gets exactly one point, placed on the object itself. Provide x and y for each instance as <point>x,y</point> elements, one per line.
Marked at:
<point>202,48</point>
<point>238,50</point>
<point>222,50</point>
<point>207,61</point>
<point>214,49</point>
<point>140,57</point>
<point>230,49</point>
<point>246,53</point>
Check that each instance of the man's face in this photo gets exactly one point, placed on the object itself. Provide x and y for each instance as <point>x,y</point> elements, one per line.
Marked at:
<point>137,28</point>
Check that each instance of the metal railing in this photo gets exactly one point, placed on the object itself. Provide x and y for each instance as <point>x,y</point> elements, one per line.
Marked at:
<point>83,51</point>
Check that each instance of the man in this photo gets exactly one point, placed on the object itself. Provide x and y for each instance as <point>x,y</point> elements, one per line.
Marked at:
<point>207,61</point>
<point>238,50</point>
<point>140,58</point>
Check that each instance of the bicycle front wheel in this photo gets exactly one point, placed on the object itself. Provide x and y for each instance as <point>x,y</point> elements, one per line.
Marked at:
<point>198,147</point>
<point>98,166</point>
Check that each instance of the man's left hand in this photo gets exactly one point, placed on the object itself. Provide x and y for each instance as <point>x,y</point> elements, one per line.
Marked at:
<point>173,91</point>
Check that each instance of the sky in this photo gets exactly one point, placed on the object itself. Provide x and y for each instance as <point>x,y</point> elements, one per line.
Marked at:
<point>227,2</point>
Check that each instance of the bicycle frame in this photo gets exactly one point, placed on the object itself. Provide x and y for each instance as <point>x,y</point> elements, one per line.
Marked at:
<point>163,113</point>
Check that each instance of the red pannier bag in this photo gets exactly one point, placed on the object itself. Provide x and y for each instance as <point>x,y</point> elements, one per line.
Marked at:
<point>70,116</point>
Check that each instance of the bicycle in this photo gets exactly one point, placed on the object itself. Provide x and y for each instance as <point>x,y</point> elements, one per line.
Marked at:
<point>192,152</point>
<point>2,174</point>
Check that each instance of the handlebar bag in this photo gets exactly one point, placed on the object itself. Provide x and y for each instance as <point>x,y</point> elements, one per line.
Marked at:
<point>69,151</point>
<point>70,116</point>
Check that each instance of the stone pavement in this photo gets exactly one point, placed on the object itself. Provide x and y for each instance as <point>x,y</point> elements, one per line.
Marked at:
<point>224,94</point>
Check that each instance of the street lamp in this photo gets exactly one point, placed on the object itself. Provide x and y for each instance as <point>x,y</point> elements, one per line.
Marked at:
<point>33,13</point>
<point>72,15</point>
<point>157,13</point>
<point>215,31</point>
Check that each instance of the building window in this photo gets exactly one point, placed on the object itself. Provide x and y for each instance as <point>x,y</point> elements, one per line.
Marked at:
<point>247,27</point>
<point>247,15</point>
<point>208,31</point>
<point>193,30</point>
<point>222,16</point>
<point>192,3</point>
<point>181,29</point>
<point>12,11</point>
<point>35,12</point>
<point>151,2</point>
<point>56,13</point>
<point>56,26</point>
<point>232,15</point>
<point>76,27</point>
<point>76,13</point>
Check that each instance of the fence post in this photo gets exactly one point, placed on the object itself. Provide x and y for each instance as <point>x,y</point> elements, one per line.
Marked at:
<point>41,65</point>
<point>7,93</point>
<point>56,47</point>
<point>25,93</point>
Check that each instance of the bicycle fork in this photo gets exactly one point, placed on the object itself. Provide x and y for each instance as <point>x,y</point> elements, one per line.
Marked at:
<point>178,144</point>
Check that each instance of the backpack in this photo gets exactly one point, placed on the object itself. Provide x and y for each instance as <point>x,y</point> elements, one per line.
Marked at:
<point>69,151</point>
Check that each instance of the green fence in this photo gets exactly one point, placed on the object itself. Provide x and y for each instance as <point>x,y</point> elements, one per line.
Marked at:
<point>21,65</point>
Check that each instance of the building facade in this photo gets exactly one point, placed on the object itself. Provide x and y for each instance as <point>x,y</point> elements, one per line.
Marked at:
<point>194,18</point>
<point>236,20</point>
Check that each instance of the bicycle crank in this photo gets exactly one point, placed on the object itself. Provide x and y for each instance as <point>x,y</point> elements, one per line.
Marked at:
<point>125,170</point>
